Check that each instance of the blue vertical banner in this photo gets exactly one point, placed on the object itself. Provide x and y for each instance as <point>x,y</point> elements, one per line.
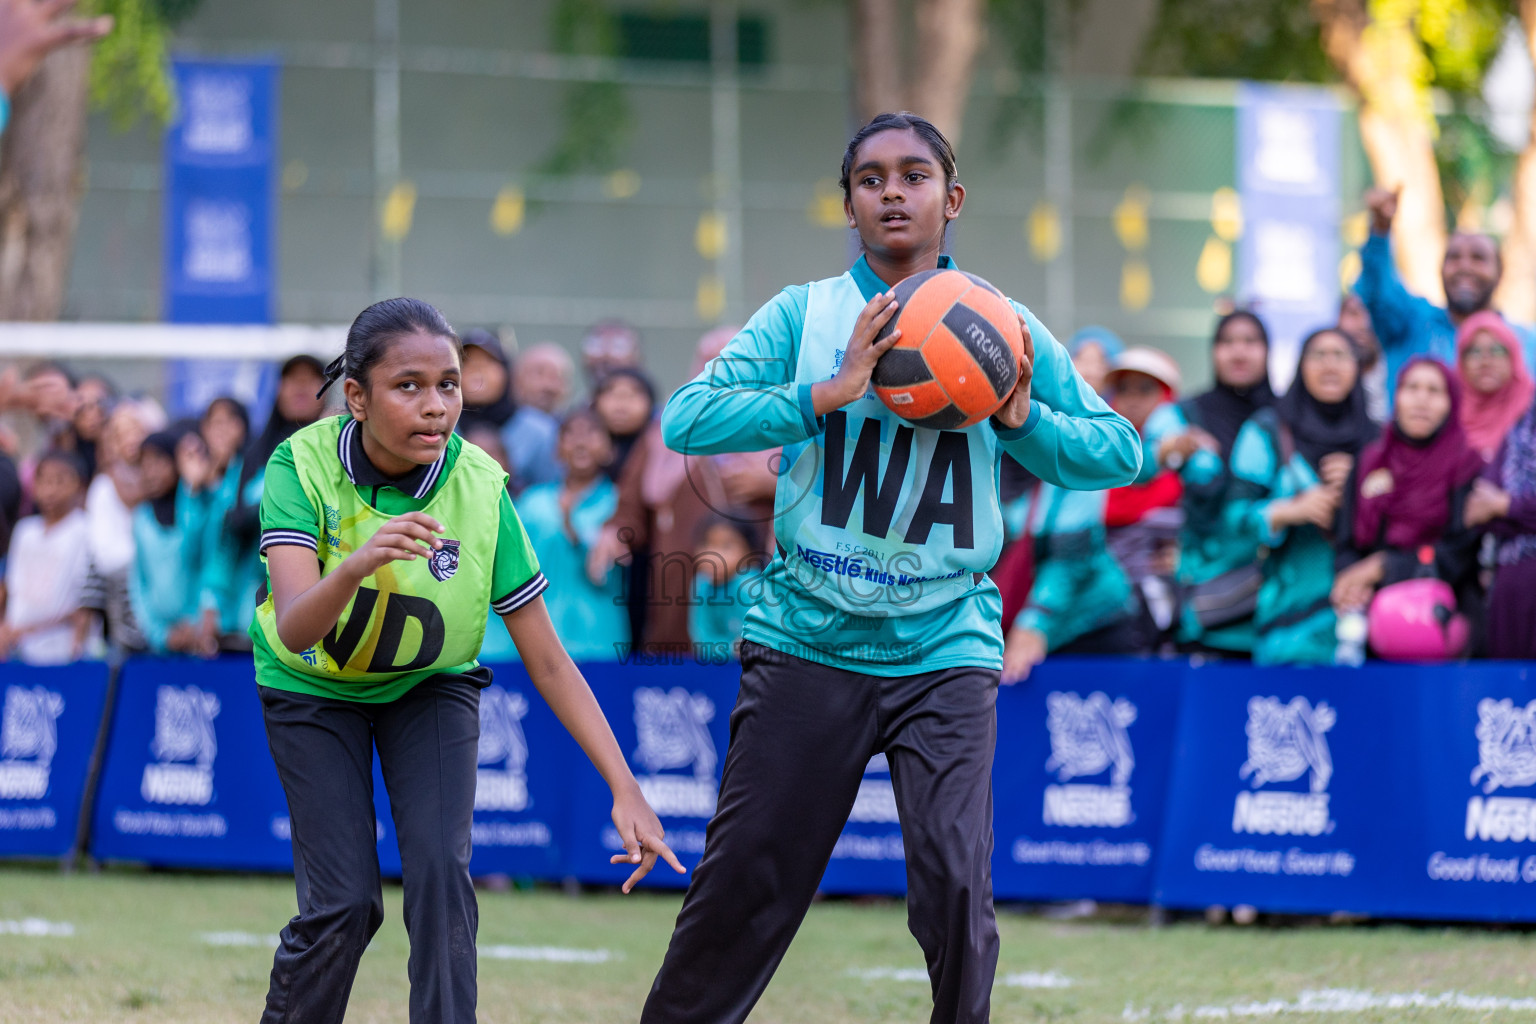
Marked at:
<point>49,721</point>
<point>219,219</point>
<point>1288,181</point>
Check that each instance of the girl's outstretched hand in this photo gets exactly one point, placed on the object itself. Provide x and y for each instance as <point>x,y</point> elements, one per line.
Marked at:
<point>859,358</point>
<point>641,832</point>
<point>407,536</point>
<point>1016,409</point>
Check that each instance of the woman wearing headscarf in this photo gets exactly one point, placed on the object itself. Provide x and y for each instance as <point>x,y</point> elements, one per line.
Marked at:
<point>1291,463</point>
<point>487,379</point>
<point>1504,499</point>
<point>1410,493</point>
<point>1497,384</point>
<point>1218,573</point>
<point>663,496</point>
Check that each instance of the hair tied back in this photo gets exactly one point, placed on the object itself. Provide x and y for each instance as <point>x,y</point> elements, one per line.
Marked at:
<point>333,371</point>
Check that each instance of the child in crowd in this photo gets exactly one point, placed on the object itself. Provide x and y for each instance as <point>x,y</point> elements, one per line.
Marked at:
<point>227,583</point>
<point>167,534</point>
<point>563,521</point>
<point>46,572</point>
<point>723,584</point>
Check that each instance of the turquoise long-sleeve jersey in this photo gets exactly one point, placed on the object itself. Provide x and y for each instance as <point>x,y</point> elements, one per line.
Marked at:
<point>883,528</point>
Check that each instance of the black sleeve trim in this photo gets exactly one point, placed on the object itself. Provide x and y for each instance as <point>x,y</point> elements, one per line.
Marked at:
<point>287,538</point>
<point>521,596</point>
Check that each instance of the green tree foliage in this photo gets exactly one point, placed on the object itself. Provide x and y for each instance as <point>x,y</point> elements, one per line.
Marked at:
<point>130,68</point>
<point>596,122</point>
<point>1279,40</point>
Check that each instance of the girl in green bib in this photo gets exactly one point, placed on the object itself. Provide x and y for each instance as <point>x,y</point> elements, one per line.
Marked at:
<point>382,555</point>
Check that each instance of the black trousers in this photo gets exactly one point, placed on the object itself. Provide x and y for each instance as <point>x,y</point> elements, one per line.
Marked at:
<point>427,743</point>
<point>801,735</point>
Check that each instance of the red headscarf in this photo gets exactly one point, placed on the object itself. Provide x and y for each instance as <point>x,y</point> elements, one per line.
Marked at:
<point>1487,418</point>
<point>1404,486</point>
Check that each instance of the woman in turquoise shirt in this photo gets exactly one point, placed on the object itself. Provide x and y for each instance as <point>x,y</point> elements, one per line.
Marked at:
<point>168,536</point>
<point>563,521</point>
<point>1080,601</point>
<point>1291,463</point>
<point>1218,574</point>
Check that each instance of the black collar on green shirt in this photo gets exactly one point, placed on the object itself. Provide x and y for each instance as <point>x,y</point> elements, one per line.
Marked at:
<point>870,285</point>
<point>362,472</point>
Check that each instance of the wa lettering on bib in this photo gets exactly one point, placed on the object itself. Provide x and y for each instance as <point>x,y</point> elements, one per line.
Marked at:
<point>410,615</point>
<point>876,514</point>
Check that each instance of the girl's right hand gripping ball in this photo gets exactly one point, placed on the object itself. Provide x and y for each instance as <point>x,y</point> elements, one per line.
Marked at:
<point>959,354</point>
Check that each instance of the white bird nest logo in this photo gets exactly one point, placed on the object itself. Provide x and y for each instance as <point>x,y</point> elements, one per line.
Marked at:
<point>1506,744</point>
<point>1089,735</point>
<point>28,730</point>
<point>184,725</point>
<point>673,727</point>
<point>1285,740</point>
<point>501,729</point>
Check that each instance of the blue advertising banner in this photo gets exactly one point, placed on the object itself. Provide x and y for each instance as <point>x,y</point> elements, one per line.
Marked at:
<point>672,721</point>
<point>51,718</point>
<point>188,780</point>
<point>1288,180</point>
<point>1288,790</point>
<point>219,210</point>
<point>1466,848</point>
<point>1084,753</point>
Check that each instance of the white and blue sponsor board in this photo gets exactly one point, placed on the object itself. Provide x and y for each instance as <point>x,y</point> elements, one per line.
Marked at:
<point>1080,781</point>
<point>49,721</point>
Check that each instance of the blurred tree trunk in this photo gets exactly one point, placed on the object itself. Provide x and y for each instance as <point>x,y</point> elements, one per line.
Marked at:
<point>40,186</point>
<point>947,35</point>
<point>1381,60</point>
<point>1517,290</point>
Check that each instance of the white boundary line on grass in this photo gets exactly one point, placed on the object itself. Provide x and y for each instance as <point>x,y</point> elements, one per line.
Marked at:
<point>239,939</point>
<point>36,927</point>
<point>1018,979</point>
<point>550,954</point>
<point>1337,1000</point>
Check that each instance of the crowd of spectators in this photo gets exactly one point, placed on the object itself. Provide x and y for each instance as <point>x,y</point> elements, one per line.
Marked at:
<point>1385,504</point>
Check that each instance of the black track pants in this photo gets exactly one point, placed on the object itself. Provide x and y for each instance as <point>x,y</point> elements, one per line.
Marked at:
<point>801,735</point>
<point>324,752</point>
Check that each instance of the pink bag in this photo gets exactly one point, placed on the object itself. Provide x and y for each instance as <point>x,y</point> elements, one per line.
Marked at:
<point>1416,620</point>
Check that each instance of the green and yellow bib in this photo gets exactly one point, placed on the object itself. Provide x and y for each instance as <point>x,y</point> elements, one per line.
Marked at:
<point>411,619</point>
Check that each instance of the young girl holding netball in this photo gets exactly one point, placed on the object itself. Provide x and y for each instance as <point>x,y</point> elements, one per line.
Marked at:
<point>875,630</point>
<point>382,556</point>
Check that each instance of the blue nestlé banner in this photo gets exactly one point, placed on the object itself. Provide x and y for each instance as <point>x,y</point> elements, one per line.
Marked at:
<point>1084,752</point>
<point>1288,178</point>
<point>673,723</point>
<point>1290,789</point>
<point>188,779</point>
<point>51,718</point>
<point>1467,847</point>
<point>219,220</point>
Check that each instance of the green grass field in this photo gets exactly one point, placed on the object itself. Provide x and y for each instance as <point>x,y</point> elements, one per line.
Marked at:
<point>180,948</point>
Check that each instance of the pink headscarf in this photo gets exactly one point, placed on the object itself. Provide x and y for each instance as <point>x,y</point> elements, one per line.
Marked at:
<point>1409,504</point>
<point>1487,418</point>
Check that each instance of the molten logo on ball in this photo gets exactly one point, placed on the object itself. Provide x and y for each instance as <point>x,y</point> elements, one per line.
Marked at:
<point>958,357</point>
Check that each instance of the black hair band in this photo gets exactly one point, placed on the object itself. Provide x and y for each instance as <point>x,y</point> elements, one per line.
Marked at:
<point>333,373</point>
